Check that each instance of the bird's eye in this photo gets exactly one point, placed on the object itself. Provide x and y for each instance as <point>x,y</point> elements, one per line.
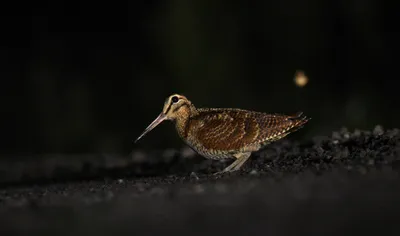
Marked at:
<point>175,99</point>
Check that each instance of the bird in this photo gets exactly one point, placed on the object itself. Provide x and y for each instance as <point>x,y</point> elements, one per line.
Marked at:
<point>225,133</point>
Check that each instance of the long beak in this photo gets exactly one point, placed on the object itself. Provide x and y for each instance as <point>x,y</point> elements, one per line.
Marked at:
<point>153,124</point>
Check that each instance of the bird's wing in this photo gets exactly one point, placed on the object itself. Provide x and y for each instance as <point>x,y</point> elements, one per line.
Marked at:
<point>225,130</point>
<point>232,129</point>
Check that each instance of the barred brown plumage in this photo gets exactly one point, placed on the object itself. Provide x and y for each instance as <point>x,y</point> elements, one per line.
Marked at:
<point>218,133</point>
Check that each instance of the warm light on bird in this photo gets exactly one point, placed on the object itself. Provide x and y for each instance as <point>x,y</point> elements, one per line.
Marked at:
<point>218,133</point>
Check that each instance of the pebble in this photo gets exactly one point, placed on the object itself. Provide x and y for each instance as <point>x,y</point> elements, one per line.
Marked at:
<point>253,172</point>
<point>194,175</point>
<point>378,130</point>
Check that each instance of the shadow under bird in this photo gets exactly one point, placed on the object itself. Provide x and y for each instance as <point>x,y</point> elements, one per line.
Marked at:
<point>218,133</point>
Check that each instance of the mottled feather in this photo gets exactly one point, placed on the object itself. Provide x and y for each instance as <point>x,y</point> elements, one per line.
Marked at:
<point>232,129</point>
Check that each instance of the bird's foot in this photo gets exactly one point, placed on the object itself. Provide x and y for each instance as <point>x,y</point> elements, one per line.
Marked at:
<point>241,158</point>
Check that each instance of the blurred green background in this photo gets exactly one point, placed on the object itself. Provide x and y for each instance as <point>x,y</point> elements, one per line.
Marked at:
<point>81,76</point>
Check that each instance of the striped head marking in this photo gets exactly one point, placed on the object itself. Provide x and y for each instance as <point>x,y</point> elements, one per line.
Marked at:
<point>174,105</point>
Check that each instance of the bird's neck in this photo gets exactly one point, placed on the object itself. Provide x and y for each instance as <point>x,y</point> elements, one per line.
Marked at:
<point>182,122</point>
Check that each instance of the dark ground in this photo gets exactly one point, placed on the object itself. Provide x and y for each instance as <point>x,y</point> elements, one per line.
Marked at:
<point>344,184</point>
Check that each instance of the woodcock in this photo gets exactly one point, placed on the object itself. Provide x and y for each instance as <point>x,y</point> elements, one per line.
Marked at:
<point>217,133</point>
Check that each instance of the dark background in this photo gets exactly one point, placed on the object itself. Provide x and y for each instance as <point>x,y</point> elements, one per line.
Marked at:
<point>88,77</point>
<point>82,79</point>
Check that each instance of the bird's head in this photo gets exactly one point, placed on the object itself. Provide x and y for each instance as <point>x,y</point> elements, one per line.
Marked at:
<point>175,107</point>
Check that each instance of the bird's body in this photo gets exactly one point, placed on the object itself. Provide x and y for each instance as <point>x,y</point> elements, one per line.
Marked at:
<point>219,133</point>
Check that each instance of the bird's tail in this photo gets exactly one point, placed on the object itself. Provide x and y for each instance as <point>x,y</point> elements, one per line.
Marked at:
<point>299,120</point>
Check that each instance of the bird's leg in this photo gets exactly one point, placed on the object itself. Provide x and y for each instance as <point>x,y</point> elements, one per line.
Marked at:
<point>241,158</point>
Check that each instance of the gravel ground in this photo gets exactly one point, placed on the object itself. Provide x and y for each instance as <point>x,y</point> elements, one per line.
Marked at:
<point>346,183</point>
